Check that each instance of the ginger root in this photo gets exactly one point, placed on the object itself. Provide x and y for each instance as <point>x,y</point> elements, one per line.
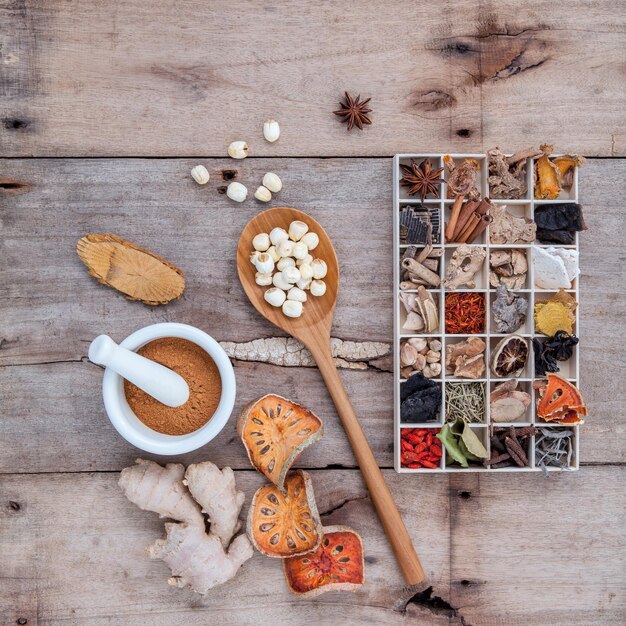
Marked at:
<point>199,559</point>
<point>216,492</point>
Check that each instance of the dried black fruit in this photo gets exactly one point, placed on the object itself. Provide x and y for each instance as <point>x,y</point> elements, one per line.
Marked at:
<point>565,237</point>
<point>557,223</point>
<point>420,399</point>
<point>552,349</point>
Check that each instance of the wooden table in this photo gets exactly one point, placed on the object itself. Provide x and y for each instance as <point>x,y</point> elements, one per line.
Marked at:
<point>106,107</point>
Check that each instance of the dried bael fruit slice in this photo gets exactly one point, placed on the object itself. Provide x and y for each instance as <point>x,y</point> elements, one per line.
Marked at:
<point>336,565</point>
<point>274,431</point>
<point>509,356</point>
<point>561,402</point>
<point>137,272</point>
<point>286,524</point>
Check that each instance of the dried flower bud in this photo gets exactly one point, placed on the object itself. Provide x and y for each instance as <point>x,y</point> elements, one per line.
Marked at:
<point>237,192</point>
<point>238,150</point>
<point>200,174</point>
<point>273,183</point>
<point>271,130</point>
<point>263,194</point>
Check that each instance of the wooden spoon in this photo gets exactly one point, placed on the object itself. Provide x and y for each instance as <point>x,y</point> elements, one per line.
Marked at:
<point>312,328</point>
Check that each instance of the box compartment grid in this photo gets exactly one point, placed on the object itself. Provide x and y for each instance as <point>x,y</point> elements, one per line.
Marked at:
<point>569,369</point>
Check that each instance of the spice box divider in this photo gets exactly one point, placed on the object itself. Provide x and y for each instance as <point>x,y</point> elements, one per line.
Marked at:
<point>569,369</point>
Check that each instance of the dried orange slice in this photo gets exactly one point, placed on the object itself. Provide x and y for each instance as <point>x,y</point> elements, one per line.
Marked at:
<point>137,272</point>
<point>559,400</point>
<point>274,431</point>
<point>337,564</point>
<point>285,524</point>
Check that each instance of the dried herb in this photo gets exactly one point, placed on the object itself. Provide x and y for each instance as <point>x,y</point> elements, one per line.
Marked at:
<point>557,313</point>
<point>509,310</point>
<point>419,225</point>
<point>354,111</point>
<point>465,402</point>
<point>508,228</point>
<point>419,447</point>
<point>507,403</point>
<point>549,351</point>
<point>507,175</point>
<point>509,356</point>
<point>509,446</point>
<point>422,178</point>
<point>465,313</point>
<point>461,179</point>
<point>560,401</point>
<point>420,399</point>
<point>554,448</point>
<point>462,444</point>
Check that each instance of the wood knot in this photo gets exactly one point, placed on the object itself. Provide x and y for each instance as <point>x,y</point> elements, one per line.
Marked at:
<point>433,100</point>
<point>229,174</point>
<point>464,132</point>
<point>10,185</point>
<point>14,506</point>
<point>222,189</point>
<point>21,621</point>
<point>11,123</point>
<point>465,495</point>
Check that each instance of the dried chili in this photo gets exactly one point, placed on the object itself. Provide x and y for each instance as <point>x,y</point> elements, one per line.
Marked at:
<point>419,447</point>
<point>465,313</point>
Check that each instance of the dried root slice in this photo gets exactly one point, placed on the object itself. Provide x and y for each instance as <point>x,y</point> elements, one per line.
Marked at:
<point>161,490</point>
<point>286,524</point>
<point>336,565</point>
<point>275,431</point>
<point>561,402</point>
<point>137,272</point>
<point>197,559</point>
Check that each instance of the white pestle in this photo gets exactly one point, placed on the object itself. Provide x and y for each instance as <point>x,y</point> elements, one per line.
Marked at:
<point>155,379</point>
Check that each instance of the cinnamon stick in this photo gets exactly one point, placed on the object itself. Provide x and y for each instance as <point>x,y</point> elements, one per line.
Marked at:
<point>472,222</point>
<point>485,220</point>
<point>484,206</point>
<point>454,216</point>
<point>468,208</point>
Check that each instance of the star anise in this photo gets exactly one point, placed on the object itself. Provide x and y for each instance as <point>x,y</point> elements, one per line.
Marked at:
<point>354,112</point>
<point>422,178</point>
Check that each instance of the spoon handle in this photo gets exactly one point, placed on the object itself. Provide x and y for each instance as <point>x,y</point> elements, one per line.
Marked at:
<point>379,491</point>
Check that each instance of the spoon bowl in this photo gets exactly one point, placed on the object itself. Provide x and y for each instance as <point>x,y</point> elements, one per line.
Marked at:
<point>317,312</point>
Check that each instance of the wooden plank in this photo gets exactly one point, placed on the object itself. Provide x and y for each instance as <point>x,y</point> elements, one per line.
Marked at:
<point>529,552</point>
<point>187,78</point>
<point>53,312</point>
<point>518,548</point>
<point>53,418</point>
<point>74,553</point>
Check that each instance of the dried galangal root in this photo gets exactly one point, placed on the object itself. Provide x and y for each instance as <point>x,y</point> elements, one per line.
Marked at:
<point>135,271</point>
<point>286,524</point>
<point>561,402</point>
<point>197,558</point>
<point>336,565</point>
<point>275,431</point>
<point>557,313</point>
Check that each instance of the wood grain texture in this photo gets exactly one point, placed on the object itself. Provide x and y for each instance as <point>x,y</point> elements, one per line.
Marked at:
<point>51,397</point>
<point>173,79</point>
<point>512,549</point>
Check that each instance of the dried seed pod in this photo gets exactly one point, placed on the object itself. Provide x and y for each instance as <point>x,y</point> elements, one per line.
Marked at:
<point>408,355</point>
<point>418,343</point>
<point>433,357</point>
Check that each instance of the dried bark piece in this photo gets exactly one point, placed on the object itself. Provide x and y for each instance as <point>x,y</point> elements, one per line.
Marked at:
<point>461,180</point>
<point>509,310</point>
<point>547,177</point>
<point>427,308</point>
<point>507,228</point>
<point>509,268</point>
<point>507,175</point>
<point>465,263</point>
<point>136,272</point>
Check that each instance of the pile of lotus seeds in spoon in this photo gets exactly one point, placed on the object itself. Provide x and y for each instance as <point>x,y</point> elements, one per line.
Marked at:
<point>284,263</point>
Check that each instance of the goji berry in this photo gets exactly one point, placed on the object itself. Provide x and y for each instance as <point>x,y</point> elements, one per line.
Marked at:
<point>414,465</point>
<point>428,464</point>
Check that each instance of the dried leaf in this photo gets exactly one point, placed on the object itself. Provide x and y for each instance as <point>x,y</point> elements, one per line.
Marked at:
<point>135,271</point>
<point>446,436</point>
<point>473,443</point>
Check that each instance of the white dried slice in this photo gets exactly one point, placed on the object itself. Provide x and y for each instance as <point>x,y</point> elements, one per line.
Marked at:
<point>550,272</point>
<point>570,260</point>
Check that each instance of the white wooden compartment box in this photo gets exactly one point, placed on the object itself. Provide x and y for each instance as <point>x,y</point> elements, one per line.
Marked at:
<point>569,369</point>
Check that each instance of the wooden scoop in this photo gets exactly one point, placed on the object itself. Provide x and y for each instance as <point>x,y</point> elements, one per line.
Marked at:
<point>312,328</point>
